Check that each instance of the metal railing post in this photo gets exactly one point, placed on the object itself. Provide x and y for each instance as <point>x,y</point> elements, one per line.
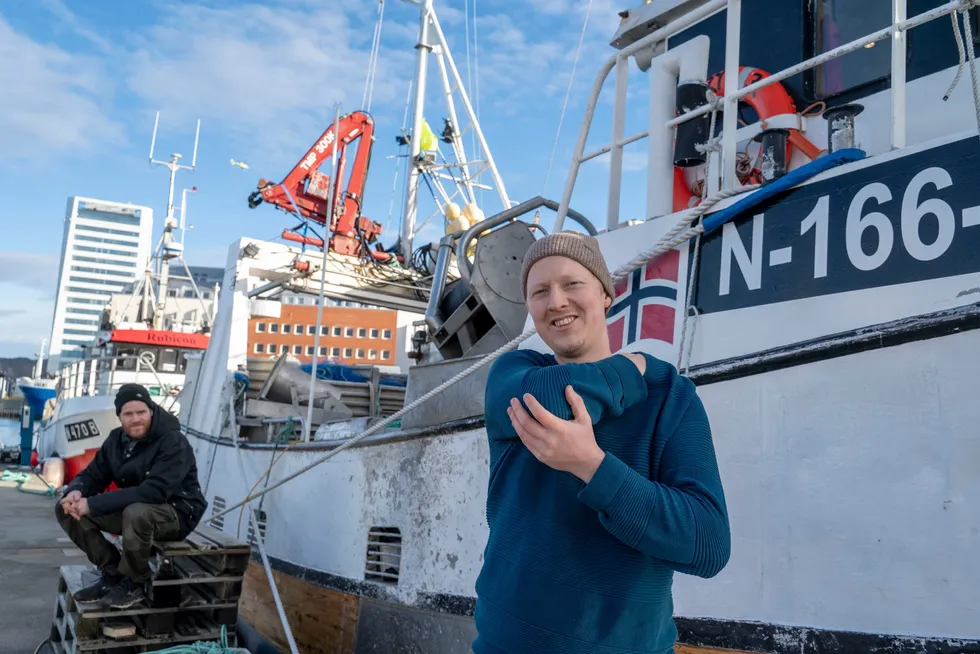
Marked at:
<point>730,116</point>
<point>899,11</point>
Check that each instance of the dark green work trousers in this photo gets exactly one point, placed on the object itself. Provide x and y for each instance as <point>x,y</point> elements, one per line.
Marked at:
<point>139,524</point>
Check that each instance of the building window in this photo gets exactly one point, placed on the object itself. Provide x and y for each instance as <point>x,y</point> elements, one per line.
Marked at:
<point>299,330</point>
<point>297,349</point>
<point>310,350</point>
<point>361,332</point>
<point>323,351</point>
<point>272,348</point>
<point>324,330</point>
<point>260,327</point>
<point>348,353</point>
<point>360,353</point>
<point>385,355</point>
<point>349,332</point>
<point>374,333</point>
<point>335,352</point>
<point>260,348</point>
<point>386,334</point>
<point>837,23</point>
<point>336,331</point>
<point>287,328</point>
<point>273,328</point>
<point>372,354</point>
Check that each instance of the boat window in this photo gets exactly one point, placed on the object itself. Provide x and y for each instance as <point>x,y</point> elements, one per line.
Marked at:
<point>126,364</point>
<point>837,22</point>
<point>168,360</point>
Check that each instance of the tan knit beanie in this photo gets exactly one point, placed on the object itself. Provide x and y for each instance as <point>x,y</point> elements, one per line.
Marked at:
<point>575,246</point>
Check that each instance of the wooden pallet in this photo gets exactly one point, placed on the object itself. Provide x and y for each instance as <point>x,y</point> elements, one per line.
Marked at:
<point>192,594</point>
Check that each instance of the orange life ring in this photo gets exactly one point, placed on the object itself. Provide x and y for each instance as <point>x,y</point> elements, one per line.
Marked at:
<point>769,101</point>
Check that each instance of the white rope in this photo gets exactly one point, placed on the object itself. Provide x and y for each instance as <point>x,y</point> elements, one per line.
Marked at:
<point>697,243</point>
<point>258,538</point>
<point>690,342</point>
<point>958,36</point>
<point>564,105</point>
<point>678,235</point>
<point>973,63</point>
<point>373,60</point>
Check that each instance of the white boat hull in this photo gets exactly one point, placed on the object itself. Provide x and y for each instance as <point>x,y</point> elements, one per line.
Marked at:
<point>818,461</point>
<point>76,430</point>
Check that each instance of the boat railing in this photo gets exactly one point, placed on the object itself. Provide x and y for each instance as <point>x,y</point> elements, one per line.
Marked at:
<point>97,376</point>
<point>665,71</point>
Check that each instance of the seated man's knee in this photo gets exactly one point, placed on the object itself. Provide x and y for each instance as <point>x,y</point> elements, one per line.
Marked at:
<point>137,518</point>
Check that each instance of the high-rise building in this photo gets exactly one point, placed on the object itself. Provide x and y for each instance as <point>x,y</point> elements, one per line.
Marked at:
<point>106,246</point>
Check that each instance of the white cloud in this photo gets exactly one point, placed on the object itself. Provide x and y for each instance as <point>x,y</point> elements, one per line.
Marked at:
<point>23,328</point>
<point>270,76</point>
<point>35,271</point>
<point>53,100</point>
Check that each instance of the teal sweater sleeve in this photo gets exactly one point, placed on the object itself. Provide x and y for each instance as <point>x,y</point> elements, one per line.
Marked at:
<point>608,387</point>
<point>681,520</point>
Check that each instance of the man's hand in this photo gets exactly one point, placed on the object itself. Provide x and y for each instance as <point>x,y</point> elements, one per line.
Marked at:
<point>638,359</point>
<point>80,509</point>
<point>69,500</point>
<point>567,445</point>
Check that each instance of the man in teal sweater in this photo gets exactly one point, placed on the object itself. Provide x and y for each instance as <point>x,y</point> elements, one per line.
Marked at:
<point>603,478</point>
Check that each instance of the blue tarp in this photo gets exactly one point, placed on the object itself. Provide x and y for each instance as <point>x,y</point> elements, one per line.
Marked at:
<point>342,373</point>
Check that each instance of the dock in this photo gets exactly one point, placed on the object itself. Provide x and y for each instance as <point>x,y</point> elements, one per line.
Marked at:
<point>193,595</point>
<point>32,550</point>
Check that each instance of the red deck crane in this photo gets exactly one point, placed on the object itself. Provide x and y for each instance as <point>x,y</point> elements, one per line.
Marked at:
<point>351,232</point>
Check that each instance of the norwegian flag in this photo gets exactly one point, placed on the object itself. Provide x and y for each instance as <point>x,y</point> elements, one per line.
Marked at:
<point>645,307</point>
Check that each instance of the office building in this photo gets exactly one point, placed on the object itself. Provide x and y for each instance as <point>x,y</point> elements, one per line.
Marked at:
<point>106,245</point>
<point>348,335</point>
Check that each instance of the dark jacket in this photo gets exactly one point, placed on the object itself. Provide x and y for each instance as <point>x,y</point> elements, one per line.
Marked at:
<point>160,469</point>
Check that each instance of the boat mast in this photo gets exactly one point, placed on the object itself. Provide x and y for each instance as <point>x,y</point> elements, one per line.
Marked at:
<point>39,364</point>
<point>432,40</point>
<point>415,147</point>
<point>167,248</point>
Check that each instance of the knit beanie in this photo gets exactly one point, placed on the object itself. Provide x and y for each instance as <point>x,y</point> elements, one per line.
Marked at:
<point>572,245</point>
<point>130,392</point>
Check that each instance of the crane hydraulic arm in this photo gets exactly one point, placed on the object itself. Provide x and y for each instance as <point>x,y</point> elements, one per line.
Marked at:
<point>351,233</point>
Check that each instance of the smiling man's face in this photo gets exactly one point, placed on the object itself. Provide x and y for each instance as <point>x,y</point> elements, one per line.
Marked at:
<point>568,307</point>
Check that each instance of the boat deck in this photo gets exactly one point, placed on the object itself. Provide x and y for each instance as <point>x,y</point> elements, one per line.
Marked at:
<point>32,550</point>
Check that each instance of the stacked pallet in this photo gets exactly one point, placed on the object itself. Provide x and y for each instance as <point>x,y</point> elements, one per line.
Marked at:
<point>192,596</point>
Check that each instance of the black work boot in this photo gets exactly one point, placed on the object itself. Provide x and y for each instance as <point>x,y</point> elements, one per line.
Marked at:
<point>100,588</point>
<point>124,595</point>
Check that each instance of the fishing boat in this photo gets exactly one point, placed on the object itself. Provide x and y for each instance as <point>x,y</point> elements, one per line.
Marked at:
<point>146,335</point>
<point>807,255</point>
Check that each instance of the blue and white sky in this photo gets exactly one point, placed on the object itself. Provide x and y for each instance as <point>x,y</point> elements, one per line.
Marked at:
<point>80,83</point>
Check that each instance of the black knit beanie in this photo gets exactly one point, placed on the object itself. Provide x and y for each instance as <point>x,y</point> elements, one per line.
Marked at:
<point>130,392</point>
